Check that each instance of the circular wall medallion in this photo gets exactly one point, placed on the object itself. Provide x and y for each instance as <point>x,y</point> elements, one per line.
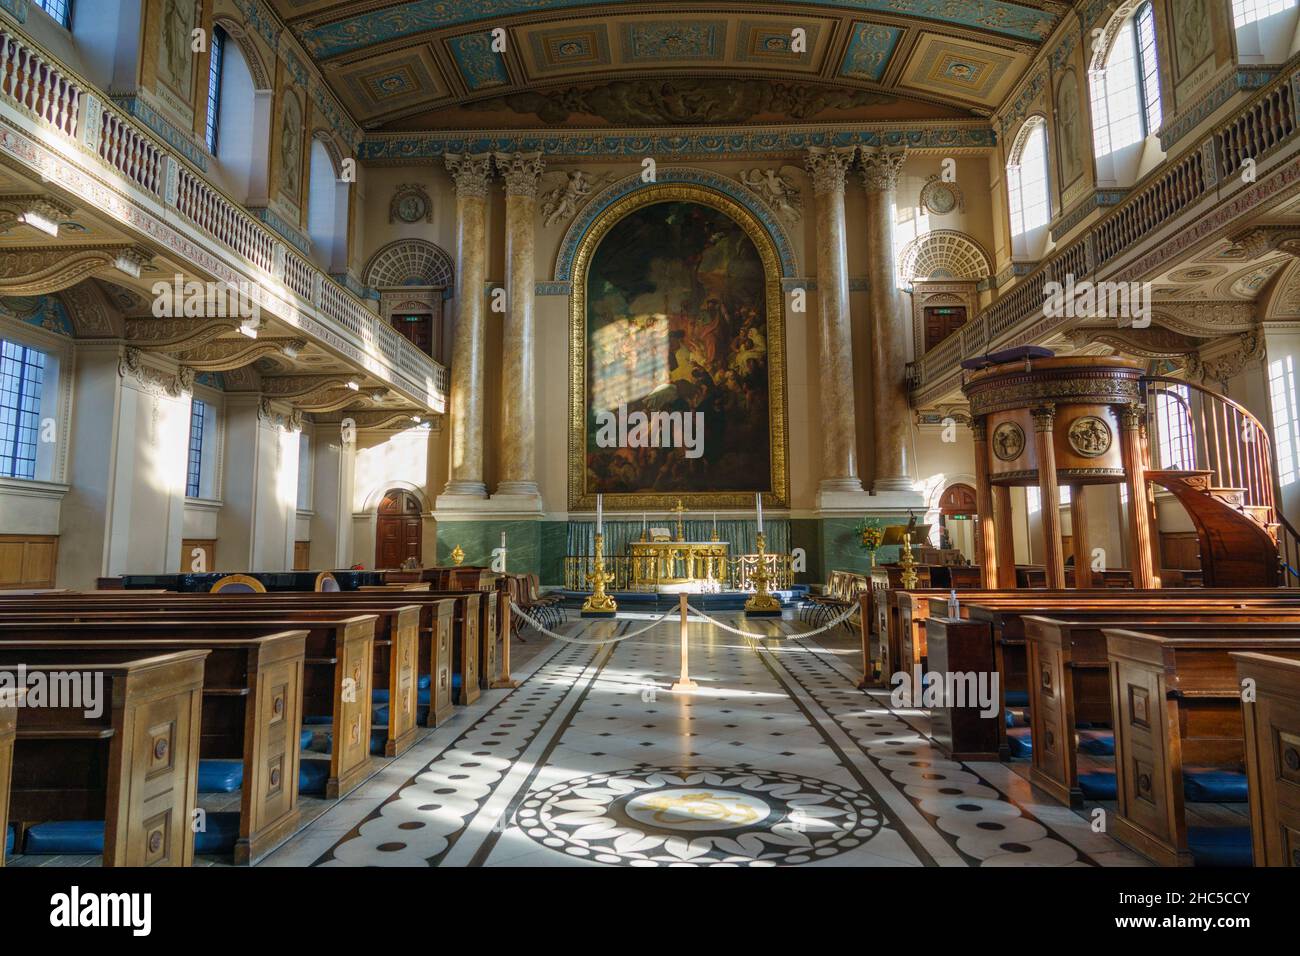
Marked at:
<point>1090,436</point>
<point>941,197</point>
<point>699,816</point>
<point>1008,441</point>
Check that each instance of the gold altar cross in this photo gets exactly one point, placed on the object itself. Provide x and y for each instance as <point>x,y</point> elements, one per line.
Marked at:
<point>679,511</point>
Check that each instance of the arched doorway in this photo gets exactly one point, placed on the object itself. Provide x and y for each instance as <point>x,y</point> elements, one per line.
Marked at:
<point>398,535</point>
<point>957,519</point>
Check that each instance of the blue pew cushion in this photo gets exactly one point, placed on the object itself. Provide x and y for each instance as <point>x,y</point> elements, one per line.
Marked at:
<point>1212,785</point>
<point>1098,743</point>
<point>1020,742</point>
<point>304,738</point>
<point>1017,698</point>
<point>1098,785</point>
<point>422,696</point>
<point>312,775</point>
<point>378,738</point>
<point>9,838</point>
<point>1220,846</point>
<point>379,716</point>
<point>220,776</point>
<point>219,834</point>
<point>66,836</point>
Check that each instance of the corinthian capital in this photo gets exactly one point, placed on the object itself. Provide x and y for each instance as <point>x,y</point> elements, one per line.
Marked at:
<point>470,172</point>
<point>521,171</point>
<point>828,167</point>
<point>880,169</point>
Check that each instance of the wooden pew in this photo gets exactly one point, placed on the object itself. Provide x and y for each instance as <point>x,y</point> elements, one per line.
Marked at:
<point>1071,677</point>
<point>396,641</point>
<point>336,678</point>
<point>252,711</point>
<point>991,638</point>
<point>1272,729</point>
<point>1176,703</point>
<point>9,703</point>
<point>449,626</point>
<point>135,765</point>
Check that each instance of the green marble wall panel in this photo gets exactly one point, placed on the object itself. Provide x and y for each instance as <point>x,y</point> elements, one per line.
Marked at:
<point>478,538</point>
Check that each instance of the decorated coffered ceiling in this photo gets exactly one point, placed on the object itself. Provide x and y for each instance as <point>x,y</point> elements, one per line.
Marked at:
<point>409,65</point>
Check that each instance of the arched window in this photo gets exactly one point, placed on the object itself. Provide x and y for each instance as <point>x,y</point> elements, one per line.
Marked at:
<point>1125,86</point>
<point>59,10</point>
<point>216,60</point>
<point>239,118</point>
<point>1252,11</point>
<point>1266,29</point>
<point>327,210</point>
<point>1027,189</point>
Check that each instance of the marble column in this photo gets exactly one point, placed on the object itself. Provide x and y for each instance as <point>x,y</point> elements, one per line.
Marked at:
<point>1134,458</point>
<point>465,468</point>
<point>521,173</point>
<point>828,168</point>
<point>1049,496</point>
<point>889,327</point>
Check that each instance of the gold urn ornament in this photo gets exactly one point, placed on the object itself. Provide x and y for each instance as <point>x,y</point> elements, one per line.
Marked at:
<point>457,555</point>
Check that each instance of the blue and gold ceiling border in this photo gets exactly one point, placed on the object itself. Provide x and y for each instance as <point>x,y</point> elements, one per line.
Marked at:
<point>397,148</point>
<point>351,34</point>
<point>871,47</point>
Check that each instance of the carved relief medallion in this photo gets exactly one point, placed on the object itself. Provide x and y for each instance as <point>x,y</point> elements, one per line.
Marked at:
<point>1090,436</point>
<point>1008,441</point>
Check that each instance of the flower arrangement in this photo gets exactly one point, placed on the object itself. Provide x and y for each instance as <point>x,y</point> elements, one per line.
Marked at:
<point>870,534</point>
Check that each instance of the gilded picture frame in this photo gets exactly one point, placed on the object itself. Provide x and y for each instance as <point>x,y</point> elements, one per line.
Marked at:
<point>580,498</point>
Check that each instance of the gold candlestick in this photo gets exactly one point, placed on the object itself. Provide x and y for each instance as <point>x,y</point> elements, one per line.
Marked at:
<point>908,564</point>
<point>762,604</point>
<point>599,604</point>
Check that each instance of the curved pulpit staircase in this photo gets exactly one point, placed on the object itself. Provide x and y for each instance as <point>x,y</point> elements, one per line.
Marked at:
<point>1216,458</point>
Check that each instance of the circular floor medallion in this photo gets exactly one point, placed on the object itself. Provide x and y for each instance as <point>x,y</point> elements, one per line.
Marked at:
<point>699,816</point>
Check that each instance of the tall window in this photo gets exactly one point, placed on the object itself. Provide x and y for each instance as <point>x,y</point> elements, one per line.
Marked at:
<point>216,62</point>
<point>1174,427</point>
<point>1286,418</point>
<point>22,371</point>
<point>1250,11</point>
<point>60,10</point>
<point>1027,184</point>
<point>194,468</point>
<point>1126,90</point>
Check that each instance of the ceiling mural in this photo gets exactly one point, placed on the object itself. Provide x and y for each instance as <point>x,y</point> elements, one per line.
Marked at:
<point>442,64</point>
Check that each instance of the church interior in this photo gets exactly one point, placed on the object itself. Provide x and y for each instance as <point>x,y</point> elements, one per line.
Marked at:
<point>530,433</point>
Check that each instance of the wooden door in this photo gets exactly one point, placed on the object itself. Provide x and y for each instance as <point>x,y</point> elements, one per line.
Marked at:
<point>400,528</point>
<point>941,322</point>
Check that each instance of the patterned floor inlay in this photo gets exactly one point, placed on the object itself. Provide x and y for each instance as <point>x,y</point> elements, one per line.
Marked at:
<point>775,760</point>
<point>701,816</point>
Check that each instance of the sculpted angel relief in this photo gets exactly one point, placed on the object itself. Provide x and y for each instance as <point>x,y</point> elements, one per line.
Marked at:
<point>677,383</point>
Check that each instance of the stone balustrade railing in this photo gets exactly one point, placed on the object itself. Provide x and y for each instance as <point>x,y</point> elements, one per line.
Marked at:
<point>1254,132</point>
<point>38,87</point>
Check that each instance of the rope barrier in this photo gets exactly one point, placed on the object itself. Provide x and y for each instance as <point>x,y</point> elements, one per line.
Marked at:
<point>699,617</point>
<point>835,622</point>
<point>573,640</point>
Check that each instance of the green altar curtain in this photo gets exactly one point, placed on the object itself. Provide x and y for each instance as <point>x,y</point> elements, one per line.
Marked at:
<point>739,533</point>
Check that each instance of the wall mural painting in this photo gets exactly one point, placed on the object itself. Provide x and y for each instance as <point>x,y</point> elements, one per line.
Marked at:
<point>1192,32</point>
<point>682,376</point>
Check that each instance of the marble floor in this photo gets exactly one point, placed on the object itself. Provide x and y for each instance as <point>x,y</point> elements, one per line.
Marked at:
<point>775,759</point>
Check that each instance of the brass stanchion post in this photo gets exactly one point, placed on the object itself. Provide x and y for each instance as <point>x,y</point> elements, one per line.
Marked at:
<point>684,682</point>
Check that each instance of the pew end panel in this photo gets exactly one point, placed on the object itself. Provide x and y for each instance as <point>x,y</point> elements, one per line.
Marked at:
<point>10,701</point>
<point>961,733</point>
<point>134,765</point>
<point>1272,728</point>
